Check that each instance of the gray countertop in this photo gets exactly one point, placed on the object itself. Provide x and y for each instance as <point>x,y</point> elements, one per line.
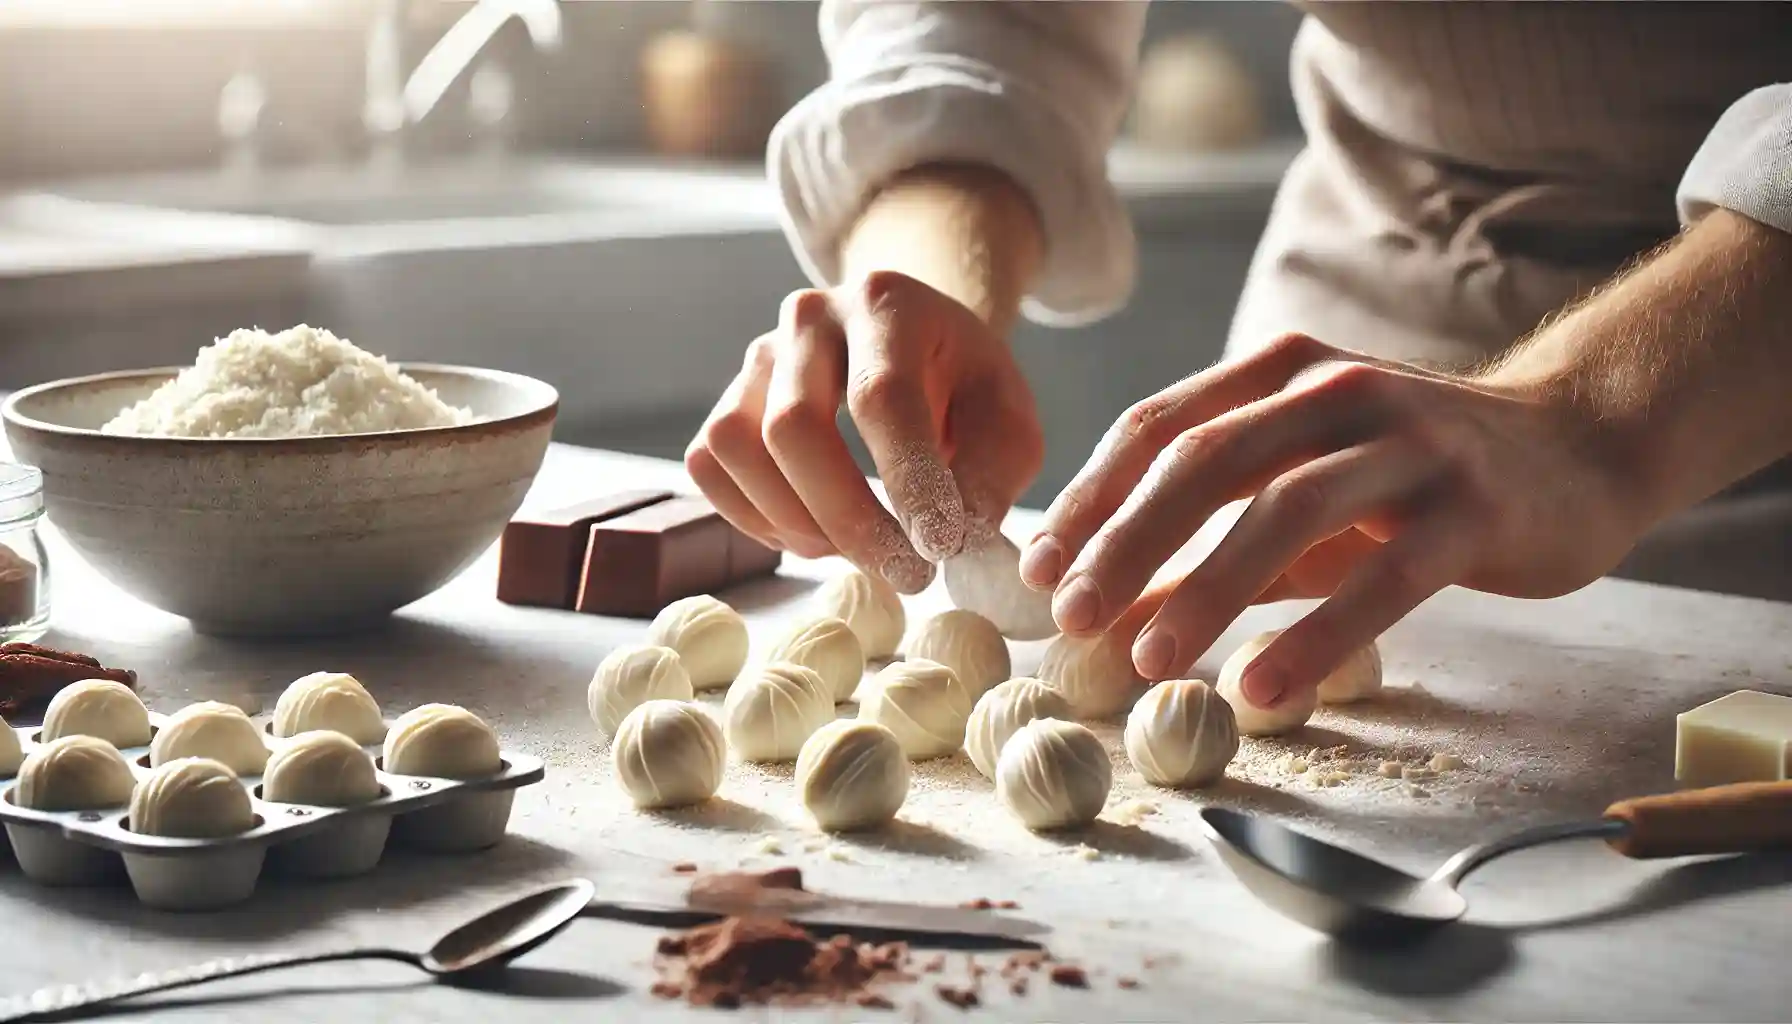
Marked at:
<point>1558,707</point>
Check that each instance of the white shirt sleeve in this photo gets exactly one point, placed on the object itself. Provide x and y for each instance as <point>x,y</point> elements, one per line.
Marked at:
<point>1745,163</point>
<point>1035,90</point>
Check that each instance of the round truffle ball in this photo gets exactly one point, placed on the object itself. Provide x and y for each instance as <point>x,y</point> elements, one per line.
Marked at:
<point>191,798</point>
<point>831,649</point>
<point>1181,734</point>
<point>923,705</point>
<point>442,741</point>
<point>669,753</point>
<point>630,677</point>
<point>323,768</point>
<point>771,710</point>
<point>1053,774</point>
<point>74,773</point>
<point>1289,715</point>
<point>870,607</point>
<point>99,708</point>
<point>985,578</point>
<point>333,701</point>
<point>852,775</point>
<point>12,752</point>
<point>1002,711</point>
<point>213,730</point>
<point>1094,673</point>
<point>709,636</point>
<point>1358,678</point>
<point>968,644</point>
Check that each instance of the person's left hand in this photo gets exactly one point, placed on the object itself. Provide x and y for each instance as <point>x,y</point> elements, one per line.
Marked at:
<point>1375,485</point>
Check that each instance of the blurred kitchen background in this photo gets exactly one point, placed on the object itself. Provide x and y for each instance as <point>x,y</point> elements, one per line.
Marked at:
<point>572,190</point>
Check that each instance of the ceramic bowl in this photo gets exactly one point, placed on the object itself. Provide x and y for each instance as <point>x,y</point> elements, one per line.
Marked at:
<point>289,536</point>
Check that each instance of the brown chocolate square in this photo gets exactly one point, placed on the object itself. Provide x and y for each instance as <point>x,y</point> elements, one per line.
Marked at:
<point>638,563</point>
<point>541,555</point>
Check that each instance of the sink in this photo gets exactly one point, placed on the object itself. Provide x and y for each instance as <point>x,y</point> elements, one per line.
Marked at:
<point>347,203</point>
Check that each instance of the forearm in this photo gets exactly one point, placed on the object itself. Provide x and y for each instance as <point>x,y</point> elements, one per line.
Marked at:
<point>969,232</point>
<point>1684,365</point>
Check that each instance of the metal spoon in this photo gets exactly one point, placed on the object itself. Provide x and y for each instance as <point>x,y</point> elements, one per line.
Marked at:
<point>1352,897</point>
<point>490,940</point>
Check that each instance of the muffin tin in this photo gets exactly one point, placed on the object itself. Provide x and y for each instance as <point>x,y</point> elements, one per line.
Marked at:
<point>83,848</point>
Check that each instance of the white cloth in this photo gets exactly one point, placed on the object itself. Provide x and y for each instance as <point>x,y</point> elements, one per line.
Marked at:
<point>1035,90</point>
<point>1039,90</point>
<point>1745,164</point>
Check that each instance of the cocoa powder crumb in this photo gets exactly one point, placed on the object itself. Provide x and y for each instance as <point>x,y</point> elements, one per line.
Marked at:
<point>873,1001</point>
<point>740,961</point>
<point>1007,905</point>
<point>961,997</point>
<point>684,868</point>
<point>1126,982</point>
<point>666,990</point>
<point>1069,976</point>
<point>980,903</point>
<point>1018,986</point>
<point>935,965</point>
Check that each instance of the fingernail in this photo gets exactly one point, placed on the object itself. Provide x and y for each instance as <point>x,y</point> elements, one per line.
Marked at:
<point>1077,604</point>
<point>1154,653</point>
<point>1262,685</point>
<point>1043,562</point>
<point>806,545</point>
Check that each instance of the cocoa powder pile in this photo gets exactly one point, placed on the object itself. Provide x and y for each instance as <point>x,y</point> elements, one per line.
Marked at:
<point>756,961</point>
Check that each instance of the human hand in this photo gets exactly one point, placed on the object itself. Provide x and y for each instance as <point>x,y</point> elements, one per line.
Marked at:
<point>937,397</point>
<point>1374,485</point>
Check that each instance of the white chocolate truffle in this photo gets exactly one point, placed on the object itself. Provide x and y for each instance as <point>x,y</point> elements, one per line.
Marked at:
<point>709,636</point>
<point>870,607</point>
<point>1002,711</point>
<point>985,578</point>
<point>923,705</point>
<point>1358,678</point>
<point>335,701</point>
<point>74,773</point>
<point>1181,734</point>
<point>191,798</point>
<point>831,649</point>
<point>1291,714</point>
<point>12,753</point>
<point>1054,774</point>
<point>1094,673</point>
<point>669,753</point>
<point>968,644</point>
<point>772,709</point>
<point>442,741</point>
<point>214,730</point>
<point>100,708</point>
<point>852,775</point>
<point>323,768</point>
<point>630,677</point>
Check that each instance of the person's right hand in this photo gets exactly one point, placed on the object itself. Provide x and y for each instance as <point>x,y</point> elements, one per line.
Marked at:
<point>937,397</point>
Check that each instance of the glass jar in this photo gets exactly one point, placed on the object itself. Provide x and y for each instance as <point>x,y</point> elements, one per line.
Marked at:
<point>24,566</point>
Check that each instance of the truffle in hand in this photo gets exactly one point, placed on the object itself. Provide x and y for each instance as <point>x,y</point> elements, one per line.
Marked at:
<point>1289,715</point>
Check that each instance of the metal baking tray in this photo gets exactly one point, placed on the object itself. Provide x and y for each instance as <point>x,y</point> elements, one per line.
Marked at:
<point>83,848</point>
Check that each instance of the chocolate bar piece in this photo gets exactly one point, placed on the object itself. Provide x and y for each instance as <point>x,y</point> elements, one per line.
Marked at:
<point>540,556</point>
<point>638,563</point>
<point>748,559</point>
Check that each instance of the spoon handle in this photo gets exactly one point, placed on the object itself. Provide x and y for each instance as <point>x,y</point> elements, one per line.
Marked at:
<point>1736,818</point>
<point>56,1002</point>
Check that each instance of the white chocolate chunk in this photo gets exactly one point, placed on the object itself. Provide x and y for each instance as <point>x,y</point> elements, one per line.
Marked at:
<point>1743,737</point>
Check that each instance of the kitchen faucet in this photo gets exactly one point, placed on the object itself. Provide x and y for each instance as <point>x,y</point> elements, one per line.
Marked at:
<point>394,102</point>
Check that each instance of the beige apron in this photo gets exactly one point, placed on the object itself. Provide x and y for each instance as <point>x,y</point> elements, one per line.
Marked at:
<point>1473,167</point>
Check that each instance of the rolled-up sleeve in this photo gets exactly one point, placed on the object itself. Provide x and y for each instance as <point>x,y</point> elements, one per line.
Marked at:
<point>1035,90</point>
<point>1745,163</point>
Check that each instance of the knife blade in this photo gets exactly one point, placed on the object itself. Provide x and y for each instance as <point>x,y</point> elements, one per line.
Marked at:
<point>665,904</point>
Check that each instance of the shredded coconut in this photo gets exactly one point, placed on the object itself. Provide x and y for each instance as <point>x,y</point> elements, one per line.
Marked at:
<point>300,382</point>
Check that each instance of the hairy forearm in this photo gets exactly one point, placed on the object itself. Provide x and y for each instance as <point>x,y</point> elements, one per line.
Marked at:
<point>969,232</point>
<point>1684,364</point>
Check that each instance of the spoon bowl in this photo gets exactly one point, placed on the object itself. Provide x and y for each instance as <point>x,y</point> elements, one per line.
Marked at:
<point>1353,897</point>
